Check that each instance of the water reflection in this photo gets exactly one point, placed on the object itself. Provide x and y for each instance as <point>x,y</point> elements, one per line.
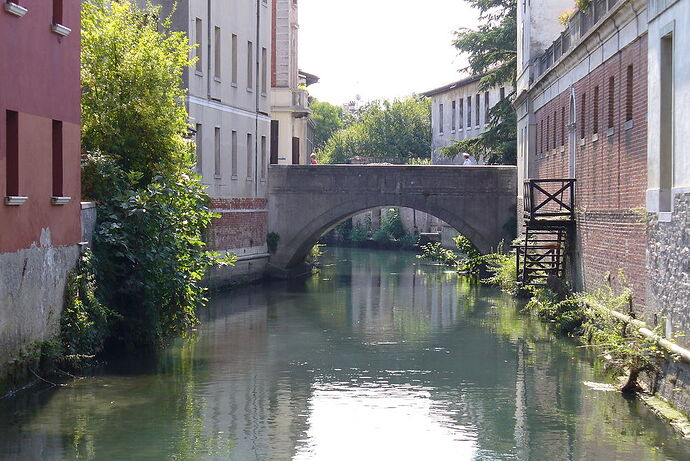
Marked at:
<point>376,358</point>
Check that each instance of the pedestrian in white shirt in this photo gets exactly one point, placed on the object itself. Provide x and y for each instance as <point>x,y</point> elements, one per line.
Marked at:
<point>468,160</point>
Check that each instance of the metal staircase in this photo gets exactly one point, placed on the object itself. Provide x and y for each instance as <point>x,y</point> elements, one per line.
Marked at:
<point>549,212</point>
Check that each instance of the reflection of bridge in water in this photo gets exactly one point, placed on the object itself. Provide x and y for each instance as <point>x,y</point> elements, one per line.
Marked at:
<point>306,201</point>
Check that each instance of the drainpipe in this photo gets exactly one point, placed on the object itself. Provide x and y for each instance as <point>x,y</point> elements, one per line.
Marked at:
<point>257,85</point>
<point>208,50</point>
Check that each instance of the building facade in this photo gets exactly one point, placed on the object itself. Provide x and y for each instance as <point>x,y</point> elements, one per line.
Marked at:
<point>229,102</point>
<point>460,111</point>
<point>601,100</point>
<point>291,127</point>
<point>39,168</point>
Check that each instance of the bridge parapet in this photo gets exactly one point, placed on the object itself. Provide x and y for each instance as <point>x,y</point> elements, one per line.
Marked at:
<point>306,201</point>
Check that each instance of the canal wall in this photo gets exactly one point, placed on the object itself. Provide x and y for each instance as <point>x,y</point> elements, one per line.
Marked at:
<point>32,287</point>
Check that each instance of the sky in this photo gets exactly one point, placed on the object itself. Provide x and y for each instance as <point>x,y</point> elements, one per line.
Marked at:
<point>380,48</point>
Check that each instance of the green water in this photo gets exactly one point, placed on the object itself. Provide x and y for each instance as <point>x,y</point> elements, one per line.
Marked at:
<point>375,358</point>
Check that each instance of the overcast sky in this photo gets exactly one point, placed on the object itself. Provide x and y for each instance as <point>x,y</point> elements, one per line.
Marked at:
<point>380,48</point>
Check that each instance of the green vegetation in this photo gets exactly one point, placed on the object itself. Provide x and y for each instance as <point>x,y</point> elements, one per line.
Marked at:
<point>272,240</point>
<point>390,233</point>
<point>84,321</point>
<point>590,318</point>
<point>468,259</point>
<point>329,120</point>
<point>138,166</point>
<point>503,268</point>
<point>491,52</point>
<point>392,131</point>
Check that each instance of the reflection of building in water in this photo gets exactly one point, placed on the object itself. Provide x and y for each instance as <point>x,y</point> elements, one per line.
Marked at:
<point>261,412</point>
<point>401,301</point>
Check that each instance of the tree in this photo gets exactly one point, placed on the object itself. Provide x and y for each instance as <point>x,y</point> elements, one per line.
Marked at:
<point>329,119</point>
<point>149,254</point>
<point>393,131</point>
<point>492,53</point>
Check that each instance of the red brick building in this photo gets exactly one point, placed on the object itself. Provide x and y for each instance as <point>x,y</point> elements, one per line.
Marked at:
<point>601,100</point>
<point>582,105</point>
<point>39,166</point>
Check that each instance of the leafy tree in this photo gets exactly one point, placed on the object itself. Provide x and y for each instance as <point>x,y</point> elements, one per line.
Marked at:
<point>149,253</point>
<point>492,52</point>
<point>328,119</point>
<point>394,131</point>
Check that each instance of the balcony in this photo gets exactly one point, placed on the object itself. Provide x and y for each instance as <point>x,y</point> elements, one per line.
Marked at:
<point>578,26</point>
<point>549,201</point>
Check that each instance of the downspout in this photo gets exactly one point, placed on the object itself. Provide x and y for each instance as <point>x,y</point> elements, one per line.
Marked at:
<point>208,50</point>
<point>257,89</point>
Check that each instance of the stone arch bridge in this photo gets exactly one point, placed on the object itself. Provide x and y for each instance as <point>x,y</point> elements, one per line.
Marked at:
<point>306,201</point>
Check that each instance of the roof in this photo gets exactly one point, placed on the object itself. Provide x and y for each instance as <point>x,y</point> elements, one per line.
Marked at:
<point>452,86</point>
<point>310,78</point>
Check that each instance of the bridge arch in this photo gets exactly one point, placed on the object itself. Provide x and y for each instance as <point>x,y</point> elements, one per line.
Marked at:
<point>307,201</point>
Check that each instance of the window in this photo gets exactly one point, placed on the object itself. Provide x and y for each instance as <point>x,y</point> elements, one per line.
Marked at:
<point>216,53</point>
<point>216,152</point>
<point>563,123</point>
<point>263,157</point>
<point>12,159</point>
<point>541,137</point>
<point>486,108</point>
<point>250,159</point>
<point>233,155</point>
<point>469,112</point>
<point>503,93</point>
<point>555,129</point>
<point>548,128</point>
<point>57,12</point>
<point>666,103</point>
<point>461,116</point>
<point>612,94</point>
<point>440,118</point>
<point>264,71</point>
<point>198,32</point>
<point>476,110</point>
<point>58,171</point>
<point>595,111</point>
<point>453,116</point>
<point>275,127</point>
<point>250,65</point>
<point>234,59</point>
<point>198,140</point>
<point>295,150</point>
<point>629,94</point>
<point>583,117</point>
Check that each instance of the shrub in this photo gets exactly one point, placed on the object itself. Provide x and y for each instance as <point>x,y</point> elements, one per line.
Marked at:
<point>504,270</point>
<point>472,260</point>
<point>435,252</point>
<point>272,240</point>
<point>84,322</point>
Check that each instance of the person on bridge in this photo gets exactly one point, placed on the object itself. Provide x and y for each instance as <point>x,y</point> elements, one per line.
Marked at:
<point>468,160</point>
<point>313,159</point>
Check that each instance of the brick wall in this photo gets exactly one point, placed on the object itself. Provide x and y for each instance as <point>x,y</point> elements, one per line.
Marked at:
<point>611,171</point>
<point>242,223</point>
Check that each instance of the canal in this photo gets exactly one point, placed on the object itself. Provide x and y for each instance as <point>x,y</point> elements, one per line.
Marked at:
<point>376,358</point>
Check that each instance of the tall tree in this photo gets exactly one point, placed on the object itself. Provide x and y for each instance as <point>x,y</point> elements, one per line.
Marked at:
<point>492,52</point>
<point>329,119</point>
<point>394,131</point>
<point>152,211</point>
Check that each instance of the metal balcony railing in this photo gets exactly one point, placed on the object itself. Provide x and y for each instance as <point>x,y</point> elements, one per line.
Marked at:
<point>576,28</point>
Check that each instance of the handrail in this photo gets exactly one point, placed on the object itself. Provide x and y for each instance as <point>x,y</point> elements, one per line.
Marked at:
<point>550,202</point>
<point>578,26</point>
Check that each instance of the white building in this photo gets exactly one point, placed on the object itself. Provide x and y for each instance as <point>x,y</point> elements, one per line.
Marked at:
<point>460,111</point>
<point>229,102</point>
<point>291,127</point>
